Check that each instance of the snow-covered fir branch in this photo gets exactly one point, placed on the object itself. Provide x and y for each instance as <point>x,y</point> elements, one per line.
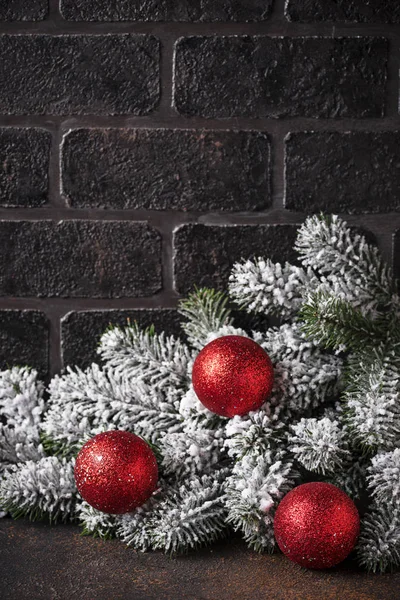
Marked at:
<point>384,477</point>
<point>21,397</point>
<point>372,397</point>
<point>305,376</point>
<point>253,490</point>
<point>37,489</point>
<point>96,523</point>
<point>195,414</point>
<point>158,360</point>
<point>378,547</point>
<point>190,452</point>
<point>352,478</point>
<point>349,267</point>
<point>319,445</point>
<point>257,433</point>
<point>18,445</point>
<point>193,515</point>
<point>136,529</point>
<point>95,400</point>
<point>262,286</point>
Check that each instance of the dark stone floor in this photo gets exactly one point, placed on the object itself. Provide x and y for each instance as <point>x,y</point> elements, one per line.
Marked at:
<point>38,562</point>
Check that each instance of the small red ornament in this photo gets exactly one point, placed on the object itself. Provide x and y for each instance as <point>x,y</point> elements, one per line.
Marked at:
<point>316,525</point>
<point>116,472</point>
<point>232,375</point>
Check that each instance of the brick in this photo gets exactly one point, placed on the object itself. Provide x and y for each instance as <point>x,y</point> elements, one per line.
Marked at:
<point>275,77</point>
<point>92,259</point>
<point>343,172</point>
<point>356,11</point>
<point>163,169</point>
<point>24,163</point>
<point>23,10</point>
<point>165,10</point>
<point>81,331</point>
<point>204,254</point>
<point>24,339</point>
<point>79,74</point>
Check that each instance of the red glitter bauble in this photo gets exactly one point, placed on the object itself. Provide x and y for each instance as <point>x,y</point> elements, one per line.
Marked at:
<point>116,471</point>
<point>232,375</point>
<point>316,525</point>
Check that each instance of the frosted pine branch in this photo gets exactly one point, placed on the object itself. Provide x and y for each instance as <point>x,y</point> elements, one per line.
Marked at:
<point>136,528</point>
<point>347,265</point>
<point>261,286</point>
<point>21,397</point>
<point>206,312</point>
<point>253,491</point>
<point>384,477</point>
<point>190,452</point>
<point>19,445</point>
<point>158,360</point>
<point>318,445</point>
<point>95,400</point>
<point>95,522</point>
<point>223,331</point>
<point>254,434</point>
<point>193,516</point>
<point>352,478</point>
<point>378,547</point>
<point>42,488</point>
<point>373,398</point>
<point>305,376</point>
<point>195,414</point>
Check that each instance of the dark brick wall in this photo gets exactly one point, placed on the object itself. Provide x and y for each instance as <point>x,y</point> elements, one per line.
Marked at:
<point>147,145</point>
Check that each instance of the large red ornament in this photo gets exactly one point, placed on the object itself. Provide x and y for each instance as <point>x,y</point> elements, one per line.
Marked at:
<point>316,525</point>
<point>232,375</point>
<point>116,472</point>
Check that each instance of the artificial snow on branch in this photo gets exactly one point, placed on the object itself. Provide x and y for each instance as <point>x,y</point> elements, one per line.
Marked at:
<point>319,445</point>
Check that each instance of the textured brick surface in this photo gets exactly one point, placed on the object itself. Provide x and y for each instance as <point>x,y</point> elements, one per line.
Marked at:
<point>204,255</point>
<point>275,77</point>
<point>24,162</point>
<point>79,259</point>
<point>165,169</point>
<point>81,331</point>
<point>79,74</point>
<point>166,10</point>
<point>359,11</point>
<point>343,172</point>
<point>23,10</point>
<point>24,339</point>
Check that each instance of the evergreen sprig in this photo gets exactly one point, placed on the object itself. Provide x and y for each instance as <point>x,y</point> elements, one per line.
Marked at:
<point>206,311</point>
<point>335,323</point>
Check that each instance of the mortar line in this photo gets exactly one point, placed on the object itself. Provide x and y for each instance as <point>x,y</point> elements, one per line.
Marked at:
<point>165,219</point>
<point>178,122</point>
<point>55,199</point>
<point>277,25</point>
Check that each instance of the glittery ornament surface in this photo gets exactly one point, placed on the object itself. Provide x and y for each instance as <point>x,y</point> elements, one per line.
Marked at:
<point>316,525</point>
<point>232,375</point>
<point>116,472</point>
